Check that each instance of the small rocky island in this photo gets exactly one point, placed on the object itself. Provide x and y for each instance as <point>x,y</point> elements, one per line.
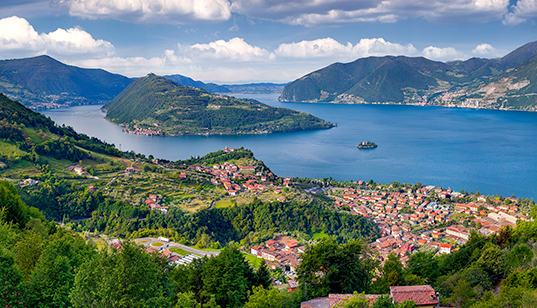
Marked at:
<point>366,145</point>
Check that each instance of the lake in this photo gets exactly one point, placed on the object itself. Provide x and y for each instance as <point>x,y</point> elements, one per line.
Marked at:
<point>490,151</point>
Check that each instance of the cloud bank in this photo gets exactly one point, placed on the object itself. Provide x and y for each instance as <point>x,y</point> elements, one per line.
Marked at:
<point>151,11</point>
<point>234,50</point>
<point>19,38</point>
<point>313,13</point>
<point>328,47</point>
<point>302,12</point>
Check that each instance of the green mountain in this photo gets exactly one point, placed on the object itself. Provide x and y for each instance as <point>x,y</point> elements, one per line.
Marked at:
<point>43,82</point>
<point>157,105</point>
<point>483,83</point>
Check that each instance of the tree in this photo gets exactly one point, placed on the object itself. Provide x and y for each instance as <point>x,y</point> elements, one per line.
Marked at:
<point>383,302</point>
<point>463,294</point>
<point>392,275</point>
<point>51,281</point>
<point>393,271</point>
<point>8,232</point>
<point>263,298</point>
<point>356,301</point>
<point>492,260</point>
<point>11,293</point>
<point>331,268</point>
<point>188,300</point>
<point>15,210</point>
<point>504,236</point>
<point>263,276</point>
<point>189,279</point>
<point>127,277</point>
<point>228,277</point>
<point>29,246</point>
<point>421,264</point>
<point>519,256</point>
<point>414,280</point>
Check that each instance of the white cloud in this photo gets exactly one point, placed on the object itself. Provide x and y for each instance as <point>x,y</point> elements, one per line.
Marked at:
<point>443,54</point>
<point>380,47</point>
<point>18,37</point>
<point>313,49</point>
<point>328,47</point>
<point>485,50</point>
<point>234,50</point>
<point>311,13</point>
<point>522,11</point>
<point>151,11</point>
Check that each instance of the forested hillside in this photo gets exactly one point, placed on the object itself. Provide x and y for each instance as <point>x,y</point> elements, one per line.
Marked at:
<point>35,135</point>
<point>156,105</point>
<point>43,80</point>
<point>506,83</point>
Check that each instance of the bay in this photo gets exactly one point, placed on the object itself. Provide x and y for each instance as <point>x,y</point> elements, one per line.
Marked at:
<point>491,151</point>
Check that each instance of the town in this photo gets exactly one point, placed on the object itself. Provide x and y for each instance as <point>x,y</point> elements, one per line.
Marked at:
<point>425,218</point>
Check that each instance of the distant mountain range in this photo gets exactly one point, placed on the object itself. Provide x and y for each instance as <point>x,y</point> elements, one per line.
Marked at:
<point>506,83</point>
<point>43,82</point>
<point>251,88</point>
<point>155,105</point>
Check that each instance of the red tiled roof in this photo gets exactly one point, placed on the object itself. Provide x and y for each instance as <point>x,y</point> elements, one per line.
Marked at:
<point>421,295</point>
<point>337,299</point>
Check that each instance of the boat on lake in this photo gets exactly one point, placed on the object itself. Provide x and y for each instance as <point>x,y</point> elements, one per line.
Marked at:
<point>367,145</point>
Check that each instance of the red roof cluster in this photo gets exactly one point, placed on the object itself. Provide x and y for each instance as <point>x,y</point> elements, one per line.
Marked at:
<point>421,295</point>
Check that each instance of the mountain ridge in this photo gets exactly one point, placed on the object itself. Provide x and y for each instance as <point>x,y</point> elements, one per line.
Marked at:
<point>420,81</point>
<point>45,80</point>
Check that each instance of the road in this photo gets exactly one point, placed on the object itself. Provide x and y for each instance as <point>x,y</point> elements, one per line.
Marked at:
<point>150,240</point>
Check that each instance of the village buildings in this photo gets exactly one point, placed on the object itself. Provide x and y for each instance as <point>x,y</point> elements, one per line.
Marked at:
<point>408,220</point>
<point>424,296</point>
<point>280,252</point>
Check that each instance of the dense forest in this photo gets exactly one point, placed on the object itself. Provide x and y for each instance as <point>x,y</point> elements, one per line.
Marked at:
<point>251,223</point>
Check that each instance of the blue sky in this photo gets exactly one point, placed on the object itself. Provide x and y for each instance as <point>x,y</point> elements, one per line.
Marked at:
<point>240,41</point>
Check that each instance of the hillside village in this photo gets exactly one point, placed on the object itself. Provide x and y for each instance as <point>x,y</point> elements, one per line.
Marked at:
<point>424,218</point>
<point>228,174</point>
<point>410,220</point>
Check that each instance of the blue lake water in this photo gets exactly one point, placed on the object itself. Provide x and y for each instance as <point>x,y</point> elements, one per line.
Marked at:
<point>494,152</point>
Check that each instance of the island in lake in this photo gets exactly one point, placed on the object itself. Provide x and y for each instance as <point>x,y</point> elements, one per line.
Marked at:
<point>367,145</point>
<point>154,105</point>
